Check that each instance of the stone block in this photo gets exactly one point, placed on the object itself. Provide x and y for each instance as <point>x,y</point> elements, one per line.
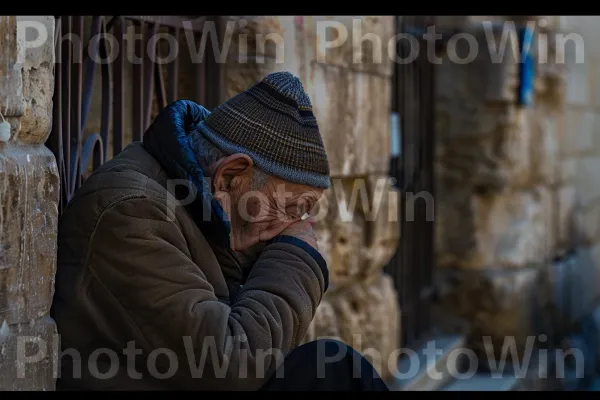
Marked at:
<point>255,36</point>
<point>340,230</point>
<point>366,317</point>
<point>478,69</point>
<point>29,190</point>
<point>578,91</point>
<point>38,83</point>
<point>517,150</point>
<point>490,147</point>
<point>550,82</point>
<point>352,110</point>
<point>357,227</point>
<point>359,43</point>
<point>566,234</point>
<point>588,186</point>
<point>549,22</point>
<point>549,203</point>
<point>545,147</point>
<point>382,223</point>
<point>503,308</point>
<point>588,223</point>
<point>11,54</point>
<point>568,170</point>
<point>579,129</point>
<point>240,76</point>
<point>27,355</point>
<point>470,118</point>
<point>595,79</point>
<point>507,230</point>
<point>575,284</point>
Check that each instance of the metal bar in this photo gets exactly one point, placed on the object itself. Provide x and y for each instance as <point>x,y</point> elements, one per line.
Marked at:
<point>200,68</point>
<point>138,86</point>
<point>90,68</point>
<point>76,96</point>
<point>77,155</point>
<point>66,104</point>
<point>172,71</point>
<point>411,267</point>
<point>55,141</point>
<point>107,101</point>
<point>119,88</point>
<point>212,84</point>
<point>159,83</point>
<point>149,64</point>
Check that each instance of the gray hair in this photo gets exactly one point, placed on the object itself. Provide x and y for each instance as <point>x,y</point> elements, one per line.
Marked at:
<point>207,154</point>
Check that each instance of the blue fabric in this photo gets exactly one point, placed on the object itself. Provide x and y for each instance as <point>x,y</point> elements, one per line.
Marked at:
<point>309,249</point>
<point>167,140</point>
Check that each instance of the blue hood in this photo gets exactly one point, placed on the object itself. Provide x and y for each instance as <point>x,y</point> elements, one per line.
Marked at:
<point>167,140</point>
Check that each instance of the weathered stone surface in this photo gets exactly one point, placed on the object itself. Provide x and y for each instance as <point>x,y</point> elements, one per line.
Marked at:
<point>568,170</point>
<point>355,131</point>
<point>357,228</point>
<point>11,54</point>
<point>340,230</point>
<point>472,119</point>
<point>382,227</point>
<point>258,46</point>
<point>579,125</point>
<point>38,83</point>
<point>506,146</point>
<point>27,355</point>
<point>240,76</point>
<point>545,158</point>
<point>366,317</point>
<point>256,36</point>
<point>477,70</point>
<point>359,43</point>
<point>28,224</point>
<point>550,69</point>
<point>576,284</point>
<point>498,231</point>
<point>578,91</point>
<point>567,236</point>
<point>503,307</point>
<point>588,186</point>
<point>588,223</point>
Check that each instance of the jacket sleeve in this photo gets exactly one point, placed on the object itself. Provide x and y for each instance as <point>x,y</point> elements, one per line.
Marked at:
<point>141,257</point>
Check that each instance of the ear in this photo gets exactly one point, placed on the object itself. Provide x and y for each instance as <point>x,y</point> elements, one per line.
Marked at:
<point>230,167</point>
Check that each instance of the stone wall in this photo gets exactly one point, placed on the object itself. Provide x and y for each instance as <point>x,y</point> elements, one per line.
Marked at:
<point>29,190</point>
<point>351,102</point>
<point>580,155</point>
<point>502,208</point>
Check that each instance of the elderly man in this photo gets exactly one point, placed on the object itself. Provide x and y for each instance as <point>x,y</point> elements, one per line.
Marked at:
<point>185,261</point>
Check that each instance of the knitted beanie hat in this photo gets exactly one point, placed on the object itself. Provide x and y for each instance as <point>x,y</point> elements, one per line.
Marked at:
<point>272,122</point>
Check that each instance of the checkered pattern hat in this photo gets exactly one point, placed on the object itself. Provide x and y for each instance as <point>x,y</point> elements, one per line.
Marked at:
<point>272,122</point>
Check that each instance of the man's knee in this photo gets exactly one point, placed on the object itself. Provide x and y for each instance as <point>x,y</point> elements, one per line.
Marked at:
<point>328,349</point>
<point>325,355</point>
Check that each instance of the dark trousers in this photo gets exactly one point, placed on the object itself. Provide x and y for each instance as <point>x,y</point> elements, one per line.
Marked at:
<point>325,365</point>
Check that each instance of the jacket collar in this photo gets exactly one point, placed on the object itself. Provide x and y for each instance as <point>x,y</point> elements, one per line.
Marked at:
<point>167,140</point>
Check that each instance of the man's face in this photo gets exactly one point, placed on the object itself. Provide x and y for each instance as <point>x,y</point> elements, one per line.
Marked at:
<point>258,214</point>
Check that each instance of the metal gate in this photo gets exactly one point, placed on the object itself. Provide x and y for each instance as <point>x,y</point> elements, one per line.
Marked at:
<point>82,45</point>
<point>413,102</point>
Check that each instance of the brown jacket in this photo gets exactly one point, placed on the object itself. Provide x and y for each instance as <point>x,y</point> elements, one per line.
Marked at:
<point>132,267</point>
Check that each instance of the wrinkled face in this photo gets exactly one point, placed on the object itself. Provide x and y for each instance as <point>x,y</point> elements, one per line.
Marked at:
<point>257,214</point>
